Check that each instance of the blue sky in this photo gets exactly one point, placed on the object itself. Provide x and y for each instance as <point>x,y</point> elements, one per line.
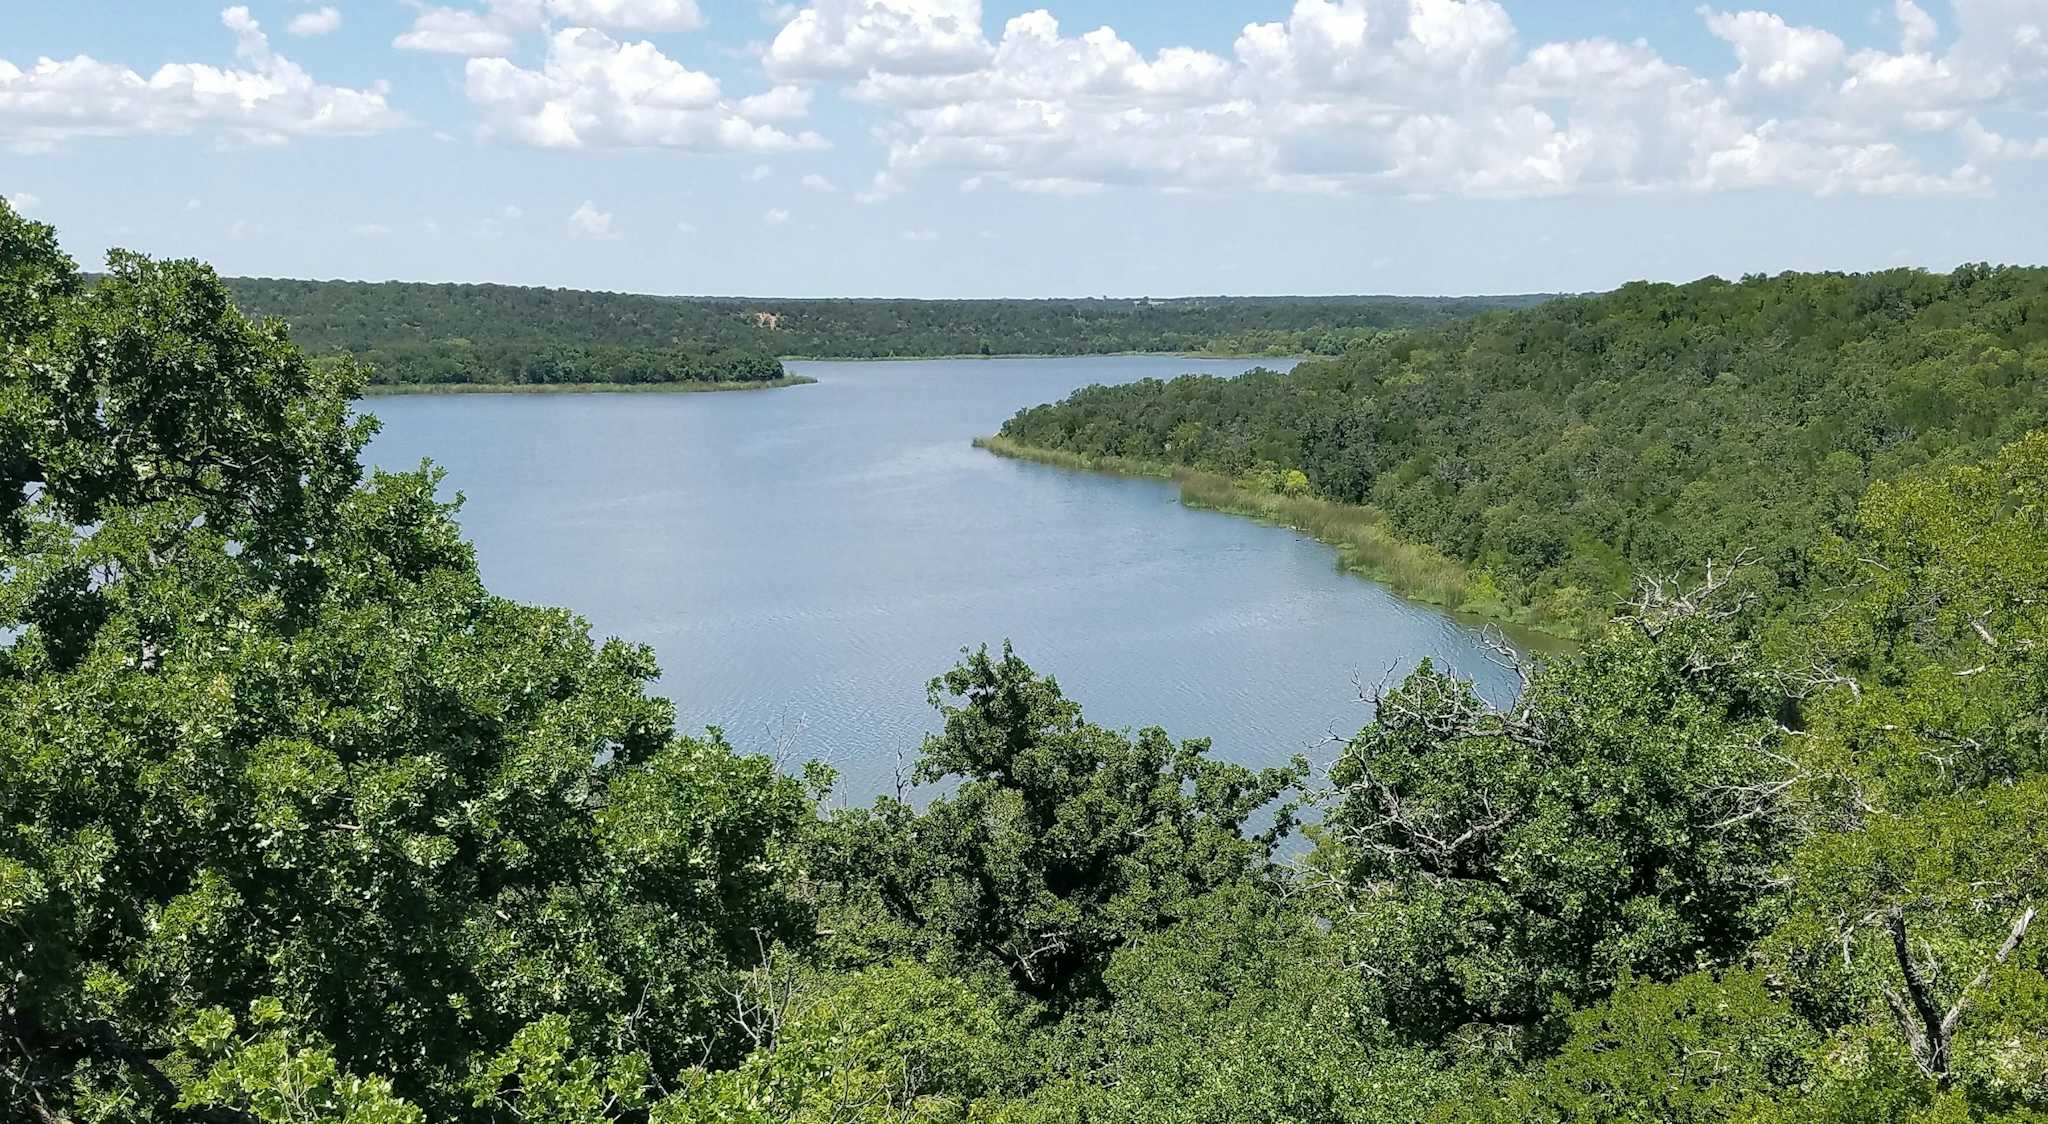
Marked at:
<point>960,148</point>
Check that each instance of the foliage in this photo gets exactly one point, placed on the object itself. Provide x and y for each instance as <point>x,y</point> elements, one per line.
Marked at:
<point>300,825</point>
<point>264,736</point>
<point>894,1044</point>
<point>1563,448</point>
<point>1245,1012</point>
<point>1061,841</point>
<point>1701,1048</point>
<point>419,333</point>
<point>1509,865</point>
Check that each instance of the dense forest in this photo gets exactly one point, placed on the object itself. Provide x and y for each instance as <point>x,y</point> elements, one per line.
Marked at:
<point>419,333</point>
<point>1561,450</point>
<point>299,823</point>
<point>433,334</point>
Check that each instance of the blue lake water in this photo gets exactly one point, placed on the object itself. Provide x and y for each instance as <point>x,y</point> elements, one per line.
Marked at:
<point>804,560</point>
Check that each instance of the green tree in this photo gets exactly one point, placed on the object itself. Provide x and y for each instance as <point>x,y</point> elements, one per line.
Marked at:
<point>1507,864</point>
<point>1060,841</point>
<point>894,1044</point>
<point>1702,1048</point>
<point>264,737</point>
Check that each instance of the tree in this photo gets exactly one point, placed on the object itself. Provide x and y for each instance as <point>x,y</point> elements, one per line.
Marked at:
<point>1702,1048</point>
<point>266,740</point>
<point>1062,840</point>
<point>894,1044</point>
<point>1503,864</point>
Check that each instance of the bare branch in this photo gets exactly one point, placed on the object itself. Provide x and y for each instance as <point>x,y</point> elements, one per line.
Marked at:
<point>1661,601</point>
<point>1929,1031</point>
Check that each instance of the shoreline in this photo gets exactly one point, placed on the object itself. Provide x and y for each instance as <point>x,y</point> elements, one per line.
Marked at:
<point>400,390</point>
<point>1043,355</point>
<point>1359,535</point>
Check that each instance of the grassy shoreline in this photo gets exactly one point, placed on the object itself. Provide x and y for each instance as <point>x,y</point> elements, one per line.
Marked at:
<point>1363,542</point>
<point>391,390</point>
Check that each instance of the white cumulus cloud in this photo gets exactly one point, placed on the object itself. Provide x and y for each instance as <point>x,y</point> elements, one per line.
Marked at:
<point>850,38</point>
<point>320,21</point>
<point>1917,29</point>
<point>493,29</point>
<point>595,92</point>
<point>589,222</point>
<point>1422,97</point>
<point>783,103</point>
<point>630,15</point>
<point>266,98</point>
<point>1775,54</point>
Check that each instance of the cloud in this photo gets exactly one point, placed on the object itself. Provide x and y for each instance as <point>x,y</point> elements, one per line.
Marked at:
<point>320,21</point>
<point>630,15</point>
<point>266,99</point>
<point>851,38</point>
<point>22,202</point>
<point>371,230</point>
<point>818,183</point>
<point>775,216</point>
<point>758,173</point>
<point>493,29</point>
<point>1419,98</point>
<point>595,92</point>
<point>1773,53</point>
<point>921,234</point>
<point>685,226</point>
<point>1917,30</point>
<point>496,27</point>
<point>783,103</point>
<point>589,222</point>
<point>1987,145</point>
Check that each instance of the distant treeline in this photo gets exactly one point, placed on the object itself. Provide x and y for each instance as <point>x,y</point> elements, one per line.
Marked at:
<point>423,333</point>
<point>1558,450</point>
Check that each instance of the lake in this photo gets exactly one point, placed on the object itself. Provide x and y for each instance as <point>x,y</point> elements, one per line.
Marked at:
<point>804,560</point>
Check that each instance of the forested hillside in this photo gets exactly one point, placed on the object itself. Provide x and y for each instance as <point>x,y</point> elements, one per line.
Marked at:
<point>299,824</point>
<point>426,334</point>
<point>419,333</point>
<point>1561,450</point>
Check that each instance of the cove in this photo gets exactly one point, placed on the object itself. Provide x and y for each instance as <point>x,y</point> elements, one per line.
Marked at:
<point>803,560</point>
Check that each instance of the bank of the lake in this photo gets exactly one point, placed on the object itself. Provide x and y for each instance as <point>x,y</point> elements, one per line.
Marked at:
<point>388,390</point>
<point>1207,356</point>
<point>1359,534</point>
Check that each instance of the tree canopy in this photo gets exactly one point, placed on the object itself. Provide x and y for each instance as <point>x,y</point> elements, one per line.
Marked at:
<point>1560,451</point>
<point>299,824</point>
<point>421,333</point>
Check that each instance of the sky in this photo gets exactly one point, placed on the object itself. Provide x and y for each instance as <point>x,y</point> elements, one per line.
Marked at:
<point>955,148</point>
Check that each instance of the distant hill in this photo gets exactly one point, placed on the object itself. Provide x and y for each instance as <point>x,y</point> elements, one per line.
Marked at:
<point>429,333</point>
